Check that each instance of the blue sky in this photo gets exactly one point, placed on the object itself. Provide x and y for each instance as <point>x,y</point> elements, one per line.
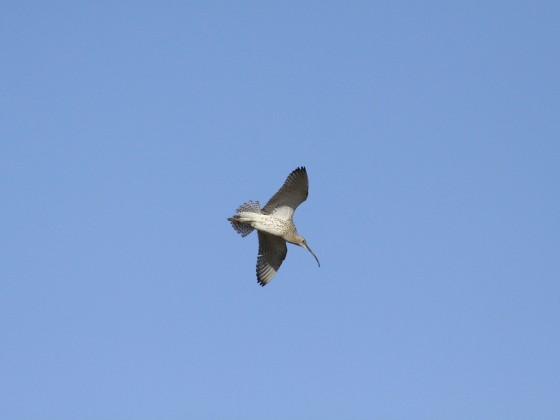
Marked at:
<point>130,131</point>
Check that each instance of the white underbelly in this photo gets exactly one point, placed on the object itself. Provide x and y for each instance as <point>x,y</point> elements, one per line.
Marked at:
<point>263,222</point>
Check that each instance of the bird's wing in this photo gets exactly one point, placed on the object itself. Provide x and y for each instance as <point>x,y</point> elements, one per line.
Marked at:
<point>294,192</point>
<point>272,251</point>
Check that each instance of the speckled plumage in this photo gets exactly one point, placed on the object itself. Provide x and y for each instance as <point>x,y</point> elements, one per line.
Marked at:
<point>274,223</point>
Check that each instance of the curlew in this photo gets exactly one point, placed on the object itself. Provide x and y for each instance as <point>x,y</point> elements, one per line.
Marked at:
<point>274,224</point>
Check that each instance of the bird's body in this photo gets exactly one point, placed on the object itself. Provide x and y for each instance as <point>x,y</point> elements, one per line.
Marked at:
<point>274,223</point>
<point>266,223</point>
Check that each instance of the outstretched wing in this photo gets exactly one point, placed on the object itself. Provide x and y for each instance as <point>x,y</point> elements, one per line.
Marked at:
<point>294,192</point>
<point>272,251</point>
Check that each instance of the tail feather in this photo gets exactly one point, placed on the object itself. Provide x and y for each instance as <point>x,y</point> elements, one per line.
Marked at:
<point>248,207</point>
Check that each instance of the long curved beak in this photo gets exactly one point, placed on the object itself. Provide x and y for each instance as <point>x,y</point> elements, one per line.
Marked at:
<point>312,253</point>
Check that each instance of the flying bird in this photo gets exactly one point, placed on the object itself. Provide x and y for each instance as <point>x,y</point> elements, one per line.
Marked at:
<point>274,224</point>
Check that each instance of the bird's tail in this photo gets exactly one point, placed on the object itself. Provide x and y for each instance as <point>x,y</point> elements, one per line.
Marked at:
<point>237,221</point>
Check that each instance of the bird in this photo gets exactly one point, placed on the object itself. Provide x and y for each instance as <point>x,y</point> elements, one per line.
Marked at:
<point>274,224</point>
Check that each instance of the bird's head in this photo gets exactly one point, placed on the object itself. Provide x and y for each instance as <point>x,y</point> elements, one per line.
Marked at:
<point>301,242</point>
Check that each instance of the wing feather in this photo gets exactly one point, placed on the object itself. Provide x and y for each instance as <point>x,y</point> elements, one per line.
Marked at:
<point>290,196</point>
<point>272,251</point>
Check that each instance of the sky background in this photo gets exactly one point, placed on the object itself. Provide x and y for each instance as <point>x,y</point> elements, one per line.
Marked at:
<point>130,131</point>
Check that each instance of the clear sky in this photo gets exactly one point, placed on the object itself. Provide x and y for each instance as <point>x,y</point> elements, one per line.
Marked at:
<point>130,131</point>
